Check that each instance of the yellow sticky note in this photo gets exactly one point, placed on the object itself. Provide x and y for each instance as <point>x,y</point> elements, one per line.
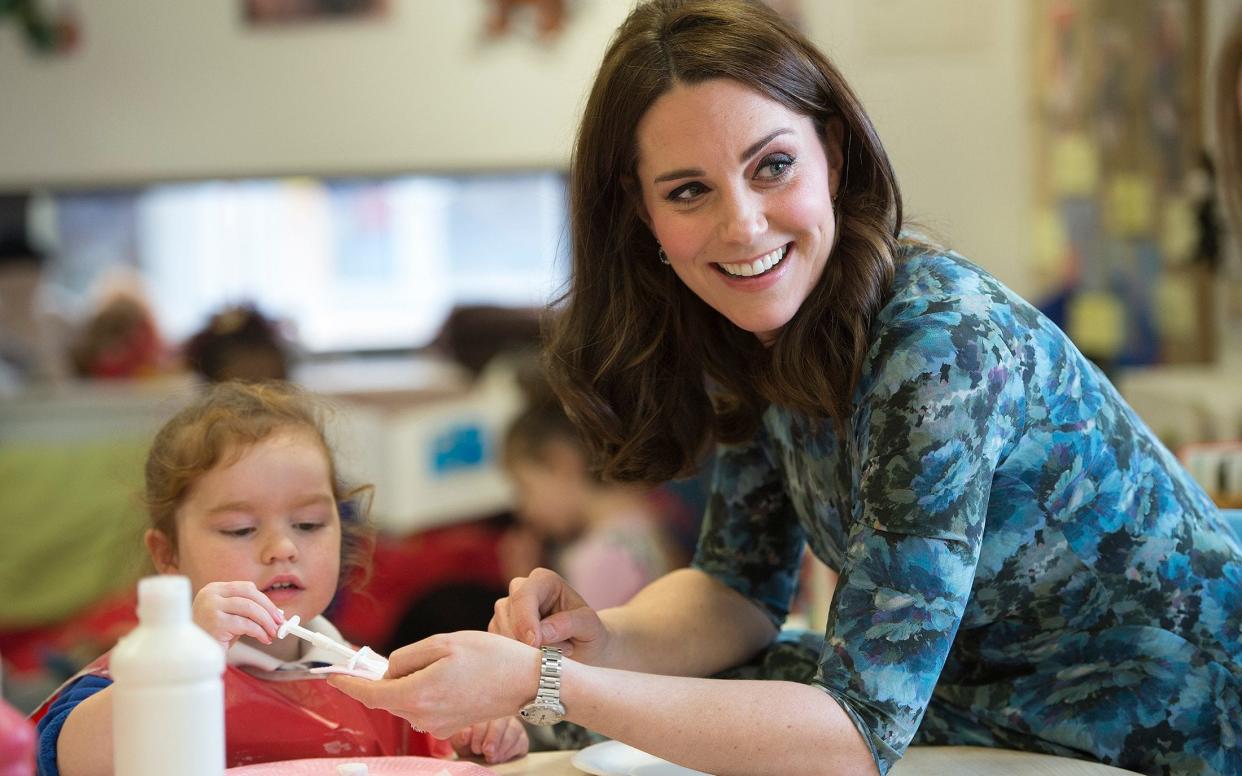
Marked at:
<point>1129,200</point>
<point>1050,242</point>
<point>1176,309</point>
<point>1095,321</point>
<point>1075,164</point>
<point>1179,231</point>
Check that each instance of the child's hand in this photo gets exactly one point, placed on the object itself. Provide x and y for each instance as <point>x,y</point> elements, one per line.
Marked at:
<point>230,610</point>
<point>497,741</point>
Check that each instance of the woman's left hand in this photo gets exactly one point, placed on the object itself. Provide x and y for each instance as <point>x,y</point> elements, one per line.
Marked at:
<point>451,681</point>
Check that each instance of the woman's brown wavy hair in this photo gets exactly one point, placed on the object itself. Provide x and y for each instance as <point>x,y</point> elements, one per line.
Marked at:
<point>221,425</point>
<point>629,346</point>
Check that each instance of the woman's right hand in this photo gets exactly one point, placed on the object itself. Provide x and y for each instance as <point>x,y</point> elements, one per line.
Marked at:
<point>543,610</point>
<point>230,610</point>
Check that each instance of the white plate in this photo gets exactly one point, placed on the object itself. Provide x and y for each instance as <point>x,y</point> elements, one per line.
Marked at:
<point>613,758</point>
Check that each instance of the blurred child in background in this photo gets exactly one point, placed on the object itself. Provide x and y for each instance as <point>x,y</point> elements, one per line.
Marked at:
<point>239,343</point>
<point>609,540</point>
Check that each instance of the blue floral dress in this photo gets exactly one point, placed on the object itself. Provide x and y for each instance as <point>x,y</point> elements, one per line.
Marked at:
<point>1022,564</point>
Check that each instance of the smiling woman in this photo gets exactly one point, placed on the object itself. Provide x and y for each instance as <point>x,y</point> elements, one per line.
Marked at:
<point>1020,563</point>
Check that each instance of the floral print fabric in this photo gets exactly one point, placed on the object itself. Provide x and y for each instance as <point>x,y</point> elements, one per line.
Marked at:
<point>1021,563</point>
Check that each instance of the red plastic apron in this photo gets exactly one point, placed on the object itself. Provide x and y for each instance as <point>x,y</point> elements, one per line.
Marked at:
<point>268,719</point>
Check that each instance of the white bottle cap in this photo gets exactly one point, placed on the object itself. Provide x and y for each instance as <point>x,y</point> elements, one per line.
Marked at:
<point>164,599</point>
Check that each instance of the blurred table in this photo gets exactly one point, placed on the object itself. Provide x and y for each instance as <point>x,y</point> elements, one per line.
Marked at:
<point>919,761</point>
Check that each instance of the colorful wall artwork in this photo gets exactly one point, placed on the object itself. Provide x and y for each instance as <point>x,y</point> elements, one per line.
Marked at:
<point>1124,240</point>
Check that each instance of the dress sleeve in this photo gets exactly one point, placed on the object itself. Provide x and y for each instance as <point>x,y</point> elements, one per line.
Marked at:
<point>48,729</point>
<point>942,401</point>
<point>751,539</point>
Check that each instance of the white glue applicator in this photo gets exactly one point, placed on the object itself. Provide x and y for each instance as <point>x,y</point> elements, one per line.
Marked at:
<point>365,662</point>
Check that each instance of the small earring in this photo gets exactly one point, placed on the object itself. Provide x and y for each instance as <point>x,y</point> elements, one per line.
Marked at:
<point>663,256</point>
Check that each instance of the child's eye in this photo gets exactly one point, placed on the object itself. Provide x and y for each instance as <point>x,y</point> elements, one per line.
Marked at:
<point>309,527</point>
<point>239,532</point>
<point>687,192</point>
<point>776,165</point>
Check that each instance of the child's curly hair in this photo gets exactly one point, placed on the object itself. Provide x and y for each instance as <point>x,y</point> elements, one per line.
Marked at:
<point>219,427</point>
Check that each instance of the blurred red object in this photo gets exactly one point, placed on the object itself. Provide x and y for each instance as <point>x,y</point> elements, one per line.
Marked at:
<point>406,569</point>
<point>17,743</point>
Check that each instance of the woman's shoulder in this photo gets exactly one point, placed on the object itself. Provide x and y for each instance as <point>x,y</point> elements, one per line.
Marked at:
<point>932,280</point>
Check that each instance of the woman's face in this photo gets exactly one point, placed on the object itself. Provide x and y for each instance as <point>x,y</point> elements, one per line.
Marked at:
<point>738,190</point>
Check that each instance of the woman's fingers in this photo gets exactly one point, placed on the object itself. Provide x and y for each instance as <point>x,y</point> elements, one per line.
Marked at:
<point>387,694</point>
<point>500,623</point>
<point>418,655</point>
<point>575,625</point>
<point>529,600</point>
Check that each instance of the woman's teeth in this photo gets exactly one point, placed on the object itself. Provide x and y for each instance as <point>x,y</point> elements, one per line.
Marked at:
<point>759,266</point>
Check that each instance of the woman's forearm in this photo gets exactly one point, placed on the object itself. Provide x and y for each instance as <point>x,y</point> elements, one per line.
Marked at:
<point>685,624</point>
<point>85,744</point>
<point>719,726</point>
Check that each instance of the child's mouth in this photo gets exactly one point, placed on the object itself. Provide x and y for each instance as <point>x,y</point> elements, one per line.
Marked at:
<point>282,590</point>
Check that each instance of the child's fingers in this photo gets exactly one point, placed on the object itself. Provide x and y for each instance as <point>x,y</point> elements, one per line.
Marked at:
<point>251,591</point>
<point>461,741</point>
<point>243,626</point>
<point>249,609</point>
<point>477,734</point>
<point>491,740</point>
<point>515,743</point>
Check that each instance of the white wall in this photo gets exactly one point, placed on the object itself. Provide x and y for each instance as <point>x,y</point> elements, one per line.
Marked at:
<point>947,84</point>
<point>164,89</point>
<point>177,88</point>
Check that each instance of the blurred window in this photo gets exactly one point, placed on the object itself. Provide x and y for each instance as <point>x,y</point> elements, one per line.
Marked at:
<point>356,264</point>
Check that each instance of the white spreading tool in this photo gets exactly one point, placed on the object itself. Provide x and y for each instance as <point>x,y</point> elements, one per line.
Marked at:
<point>364,662</point>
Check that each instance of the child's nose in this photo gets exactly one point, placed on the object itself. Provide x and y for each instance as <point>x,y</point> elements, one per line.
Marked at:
<point>279,547</point>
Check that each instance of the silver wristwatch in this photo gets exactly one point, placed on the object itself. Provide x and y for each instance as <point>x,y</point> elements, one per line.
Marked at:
<point>546,708</point>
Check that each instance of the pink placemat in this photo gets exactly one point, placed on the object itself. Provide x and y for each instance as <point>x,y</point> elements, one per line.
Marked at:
<point>326,766</point>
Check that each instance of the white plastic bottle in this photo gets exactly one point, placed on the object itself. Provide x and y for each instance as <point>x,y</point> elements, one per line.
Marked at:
<point>168,696</point>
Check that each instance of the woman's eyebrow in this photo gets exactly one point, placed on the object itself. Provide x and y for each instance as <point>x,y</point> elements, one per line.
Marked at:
<point>756,147</point>
<point>751,150</point>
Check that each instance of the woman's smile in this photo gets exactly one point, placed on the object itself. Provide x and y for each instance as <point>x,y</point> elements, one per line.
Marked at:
<point>757,267</point>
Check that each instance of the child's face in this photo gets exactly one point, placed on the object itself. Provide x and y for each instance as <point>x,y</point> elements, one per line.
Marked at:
<point>270,518</point>
<point>550,493</point>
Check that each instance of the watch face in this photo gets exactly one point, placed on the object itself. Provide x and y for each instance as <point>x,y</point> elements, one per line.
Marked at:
<point>543,714</point>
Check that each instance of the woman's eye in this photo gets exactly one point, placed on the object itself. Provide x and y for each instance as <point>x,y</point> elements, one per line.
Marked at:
<point>775,166</point>
<point>686,192</point>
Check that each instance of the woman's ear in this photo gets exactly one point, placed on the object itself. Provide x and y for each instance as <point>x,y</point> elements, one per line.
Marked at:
<point>163,553</point>
<point>834,150</point>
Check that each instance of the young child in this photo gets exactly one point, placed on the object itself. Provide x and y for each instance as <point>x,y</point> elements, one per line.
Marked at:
<point>244,499</point>
<point>610,539</point>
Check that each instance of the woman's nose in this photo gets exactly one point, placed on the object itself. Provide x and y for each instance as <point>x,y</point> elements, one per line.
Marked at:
<point>742,219</point>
